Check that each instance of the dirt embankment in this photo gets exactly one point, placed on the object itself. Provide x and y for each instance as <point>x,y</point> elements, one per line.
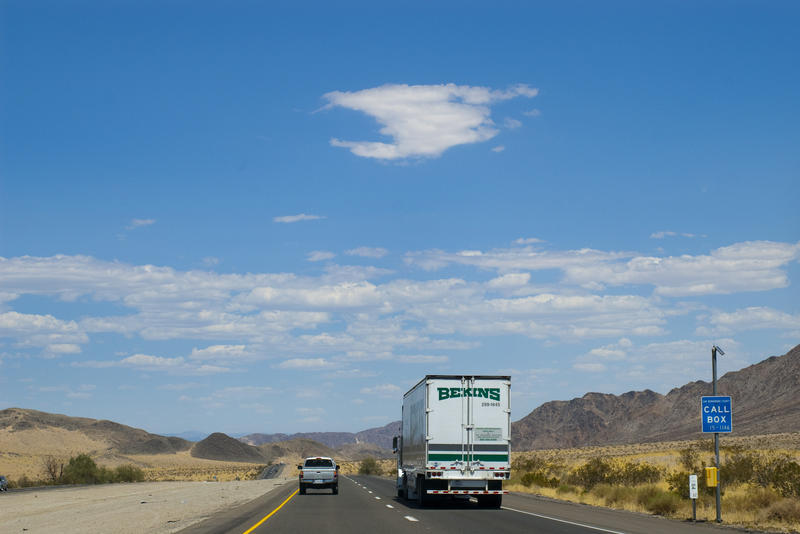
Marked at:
<point>153,507</point>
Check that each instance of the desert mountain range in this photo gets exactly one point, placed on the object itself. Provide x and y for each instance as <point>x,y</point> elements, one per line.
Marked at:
<point>766,400</point>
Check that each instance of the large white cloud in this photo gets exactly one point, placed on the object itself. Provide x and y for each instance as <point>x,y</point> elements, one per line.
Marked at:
<point>423,120</point>
<point>347,314</point>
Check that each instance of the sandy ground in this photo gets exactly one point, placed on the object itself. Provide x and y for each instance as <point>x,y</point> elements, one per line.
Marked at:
<point>153,507</point>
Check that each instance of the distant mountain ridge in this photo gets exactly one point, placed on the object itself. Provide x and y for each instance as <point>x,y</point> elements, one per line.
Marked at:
<point>380,436</point>
<point>117,437</point>
<point>766,400</point>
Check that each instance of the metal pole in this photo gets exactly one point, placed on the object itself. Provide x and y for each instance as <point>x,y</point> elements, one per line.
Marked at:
<point>716,434</point>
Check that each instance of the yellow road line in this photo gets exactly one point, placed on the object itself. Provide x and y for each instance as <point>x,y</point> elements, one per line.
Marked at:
<point>289,498</point>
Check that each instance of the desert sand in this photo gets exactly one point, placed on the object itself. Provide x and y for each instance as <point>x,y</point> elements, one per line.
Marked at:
<point>154,507</point>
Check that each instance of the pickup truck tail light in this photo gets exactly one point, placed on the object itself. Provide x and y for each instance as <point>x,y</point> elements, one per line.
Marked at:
<point>301,474</point>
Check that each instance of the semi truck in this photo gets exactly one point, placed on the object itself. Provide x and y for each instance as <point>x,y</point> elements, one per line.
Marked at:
<point>455,439</point>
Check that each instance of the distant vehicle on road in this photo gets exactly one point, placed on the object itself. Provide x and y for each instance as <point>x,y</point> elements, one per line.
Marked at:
<point>3,483</point>
<point>455,439</point>
<point>319,472</point>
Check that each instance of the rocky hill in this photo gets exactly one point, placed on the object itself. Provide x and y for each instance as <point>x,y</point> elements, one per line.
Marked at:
<point>20,425</point>
<point>379,436</point>
<point>765,401</point>
<point>219,446</point>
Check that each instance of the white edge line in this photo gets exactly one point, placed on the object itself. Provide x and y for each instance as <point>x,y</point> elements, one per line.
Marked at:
<point>563,521</point>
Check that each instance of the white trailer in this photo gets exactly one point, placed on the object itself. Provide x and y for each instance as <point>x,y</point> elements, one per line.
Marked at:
<point>455,438</point>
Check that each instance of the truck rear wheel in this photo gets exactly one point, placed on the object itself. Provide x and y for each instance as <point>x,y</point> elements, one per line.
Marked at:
<point>490,501</point>
<point>422,497</point>
<point>302,489</point>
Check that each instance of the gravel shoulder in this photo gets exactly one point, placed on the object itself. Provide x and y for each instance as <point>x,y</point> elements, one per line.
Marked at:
<point>153,507</point>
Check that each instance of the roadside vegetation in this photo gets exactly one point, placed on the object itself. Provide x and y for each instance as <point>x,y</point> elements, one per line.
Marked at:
<point>79,469</point>
<point>761,487</point>
<point>82,469</point>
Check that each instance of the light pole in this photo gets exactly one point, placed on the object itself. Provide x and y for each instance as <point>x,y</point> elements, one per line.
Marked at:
<point>714,350</point>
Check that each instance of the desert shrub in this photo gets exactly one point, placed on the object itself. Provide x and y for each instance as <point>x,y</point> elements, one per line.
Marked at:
<point>754,499</point>
<point>539,478</point>
<point>689,459</point>
<point>661,502</point>
<point>369,466</point>
<point>785,510</point>
<point>24,482</point>
<point>786,479</point>
<point>614,494</point>
<point>595,471</point>
<point>740,466</point>
<point>634,473</point>
<point>566,488</point>
<point>81,470</point>
<point>53,468</point>
<point>129,473</point>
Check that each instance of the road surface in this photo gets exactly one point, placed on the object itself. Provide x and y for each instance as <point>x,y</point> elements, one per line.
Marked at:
<point>369,504</point>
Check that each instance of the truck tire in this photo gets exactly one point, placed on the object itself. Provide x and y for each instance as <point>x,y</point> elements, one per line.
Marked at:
<point>402,491</point>
<point>422,497</point>
<point>302,489</point>
<point>490,501</point>
<point>335,490</point>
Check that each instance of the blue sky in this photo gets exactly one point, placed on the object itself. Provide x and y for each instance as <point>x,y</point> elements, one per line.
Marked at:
<point>248,217</point>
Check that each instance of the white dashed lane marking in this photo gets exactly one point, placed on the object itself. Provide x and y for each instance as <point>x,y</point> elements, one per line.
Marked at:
<point>389,506</point>
<point>411,518</point>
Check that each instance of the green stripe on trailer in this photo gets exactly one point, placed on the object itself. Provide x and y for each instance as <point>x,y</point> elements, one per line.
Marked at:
<point>460,458</point>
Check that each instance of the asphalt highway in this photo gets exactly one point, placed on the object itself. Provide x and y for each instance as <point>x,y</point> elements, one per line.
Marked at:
<point>369,504</point>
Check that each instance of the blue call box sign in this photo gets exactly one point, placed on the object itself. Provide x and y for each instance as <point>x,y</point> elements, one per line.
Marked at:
<point>716,414</point>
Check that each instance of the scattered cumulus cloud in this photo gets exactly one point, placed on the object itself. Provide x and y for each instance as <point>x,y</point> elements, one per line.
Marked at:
<point>368,252</point>
<point>382,389</point>
<point>532,113</point>
<point>139,223</point>
<point>320,255</point>
<point>668,233</point>
<point>511,124</point>
<point>287,219</point>
<point>498,148</point>
<point>528,241</point>
<point>423,120</point>
<point>306,363</point>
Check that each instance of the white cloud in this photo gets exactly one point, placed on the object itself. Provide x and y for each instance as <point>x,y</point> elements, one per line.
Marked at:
<point>747,266</point>
<point>220,353</point>
<point>320,255</point>
<point>421,358</point>
<point>528,241</point>
<point>305,363</point>
<point>668,233</point>
<point>511,124</point>
<point>382,389</point>
<point>755,318</point>
<point>498,148</point>
<point>64,348</point>
<point>138,223</point>
<point>423,120</point>
<point>508,281</point>
<point>589,367</point>
<point>297,218</point>
<point>367,252</point>
<point>532,113</point>
<point>211,261</point>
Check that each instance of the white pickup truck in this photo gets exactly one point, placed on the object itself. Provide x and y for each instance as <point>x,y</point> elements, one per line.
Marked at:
<point>318,472</point>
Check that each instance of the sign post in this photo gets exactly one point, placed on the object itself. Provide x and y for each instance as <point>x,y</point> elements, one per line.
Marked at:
<point>693,495</point>
<point>716,416</point>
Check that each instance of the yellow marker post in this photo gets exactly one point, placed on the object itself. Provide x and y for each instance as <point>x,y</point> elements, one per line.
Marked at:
<point>711,477</point>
